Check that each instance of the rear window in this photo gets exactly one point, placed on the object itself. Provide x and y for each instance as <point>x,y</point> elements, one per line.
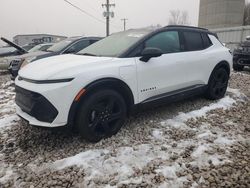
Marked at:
<point>193,41</point>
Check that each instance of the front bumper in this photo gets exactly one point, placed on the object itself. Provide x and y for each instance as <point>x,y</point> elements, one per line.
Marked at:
<point>35,105</point>
<point>32,105</point>
<point>34,121</point>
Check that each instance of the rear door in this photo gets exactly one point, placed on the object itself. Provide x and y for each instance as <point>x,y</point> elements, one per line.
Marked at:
<point>163,74</point>
<point>199,56</point>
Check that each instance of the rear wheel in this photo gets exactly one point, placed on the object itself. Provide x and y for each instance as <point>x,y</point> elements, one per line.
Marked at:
<point>238,67</point>
<point>217,85</point>
<point>101,115</point>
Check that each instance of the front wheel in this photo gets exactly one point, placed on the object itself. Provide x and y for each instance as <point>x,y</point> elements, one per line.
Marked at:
<point>217,85</point>
<point>101,115</point>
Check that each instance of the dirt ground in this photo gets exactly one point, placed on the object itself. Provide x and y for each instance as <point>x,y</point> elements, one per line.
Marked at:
<point>192,143</point>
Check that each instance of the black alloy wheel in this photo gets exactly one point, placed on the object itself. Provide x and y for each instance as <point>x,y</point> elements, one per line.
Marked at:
<point>217,85</point>
<point>101,115</point>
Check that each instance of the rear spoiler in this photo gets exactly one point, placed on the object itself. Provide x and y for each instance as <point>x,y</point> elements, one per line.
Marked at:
<point>19,48</point>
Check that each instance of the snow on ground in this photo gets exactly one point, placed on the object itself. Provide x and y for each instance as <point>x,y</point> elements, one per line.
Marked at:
<point>179,120</point>
<point>105,162</point>
<point>7,105</point>
<point>121,164</point>
<point>8,118</point>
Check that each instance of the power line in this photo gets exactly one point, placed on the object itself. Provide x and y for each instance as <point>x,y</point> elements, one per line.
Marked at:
<point>90,15</point>
<point>83,11</point>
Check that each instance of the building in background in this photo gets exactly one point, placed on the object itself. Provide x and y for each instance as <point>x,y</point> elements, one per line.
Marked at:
<point>37,39</point>
<point>221,13</point>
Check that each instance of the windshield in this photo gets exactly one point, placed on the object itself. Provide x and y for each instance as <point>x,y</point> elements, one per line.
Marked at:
<point>114,45</point>
<point>36,48</point>
<point>40,47</point>
<point>60,45</point>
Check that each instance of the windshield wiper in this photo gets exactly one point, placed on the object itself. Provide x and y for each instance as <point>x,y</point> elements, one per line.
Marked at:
<point>88,54</point>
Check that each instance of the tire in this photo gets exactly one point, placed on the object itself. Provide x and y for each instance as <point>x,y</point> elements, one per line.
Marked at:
<point>217,85</point>
<point>238,67</point>
<point>101,115</point>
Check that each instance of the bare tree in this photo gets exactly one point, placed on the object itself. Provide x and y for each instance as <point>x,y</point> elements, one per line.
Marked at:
<point>178,17</point>
<point>247,14</point>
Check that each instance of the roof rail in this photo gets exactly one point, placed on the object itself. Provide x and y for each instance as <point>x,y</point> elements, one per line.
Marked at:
<point>185,26</point>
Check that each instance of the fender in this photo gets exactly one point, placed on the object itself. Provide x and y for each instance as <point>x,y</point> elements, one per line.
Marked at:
<point>104,83</point>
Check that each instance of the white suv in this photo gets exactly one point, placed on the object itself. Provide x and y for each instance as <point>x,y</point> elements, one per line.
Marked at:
<point>97,88</point>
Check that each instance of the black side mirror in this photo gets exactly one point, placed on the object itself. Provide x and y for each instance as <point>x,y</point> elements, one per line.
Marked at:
<point>149,53</point>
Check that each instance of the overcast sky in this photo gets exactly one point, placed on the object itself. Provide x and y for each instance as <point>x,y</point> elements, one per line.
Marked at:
<point>58,17</point>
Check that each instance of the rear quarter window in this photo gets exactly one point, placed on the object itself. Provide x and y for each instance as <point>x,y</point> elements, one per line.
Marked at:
<point>206,40</point>
<point>193,41</point>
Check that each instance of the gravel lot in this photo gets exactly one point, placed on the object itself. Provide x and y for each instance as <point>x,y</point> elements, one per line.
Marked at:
<point>195,142</point>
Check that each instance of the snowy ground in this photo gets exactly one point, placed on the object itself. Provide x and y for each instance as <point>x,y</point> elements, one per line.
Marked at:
<point>192,143</point>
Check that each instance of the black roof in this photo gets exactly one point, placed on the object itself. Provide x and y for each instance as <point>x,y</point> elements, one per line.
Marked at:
<point>188,27</point>
<point>192,28</point>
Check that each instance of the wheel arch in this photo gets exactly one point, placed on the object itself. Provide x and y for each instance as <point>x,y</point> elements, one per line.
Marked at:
<point>223,64</point>
<point>105,83</point>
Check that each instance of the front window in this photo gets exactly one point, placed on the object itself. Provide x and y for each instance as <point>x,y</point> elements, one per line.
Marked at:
<point>167,42</point>
<point>116,44</point>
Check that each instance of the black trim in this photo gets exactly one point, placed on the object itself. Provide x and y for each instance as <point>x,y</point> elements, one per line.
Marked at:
<point>45,81</point>
<point>35,105</point>
<point>175,95</point>
<point>129,52</point>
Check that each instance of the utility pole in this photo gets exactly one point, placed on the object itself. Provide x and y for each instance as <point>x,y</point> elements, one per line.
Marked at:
<point>124,23</point>
<point>107,14</point>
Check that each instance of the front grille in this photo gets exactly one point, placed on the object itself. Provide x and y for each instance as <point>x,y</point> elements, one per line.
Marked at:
<point>35,105</point>
<point>15,63</point>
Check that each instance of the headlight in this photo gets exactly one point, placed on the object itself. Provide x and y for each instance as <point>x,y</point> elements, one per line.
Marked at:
<point>27,61</point>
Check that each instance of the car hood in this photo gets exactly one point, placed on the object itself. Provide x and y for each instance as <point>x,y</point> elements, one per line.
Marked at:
<point>24,56</point>
<point>32,54</point>
<point>55,67</point>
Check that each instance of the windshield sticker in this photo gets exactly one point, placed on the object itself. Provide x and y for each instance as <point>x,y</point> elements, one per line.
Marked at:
<point>135,35</point>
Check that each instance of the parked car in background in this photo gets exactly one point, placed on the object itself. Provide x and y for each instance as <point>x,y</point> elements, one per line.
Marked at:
<point>36,50</point>
<point>5,62</point>
<point>241,55</point>
<point>8,51</point>
<point>12,52</point>
<point>13,49</point>
<point>69,46</point>
<point>96,89</point>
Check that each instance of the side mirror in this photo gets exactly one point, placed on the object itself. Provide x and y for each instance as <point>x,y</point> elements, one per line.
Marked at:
<point>248,38</point>
<point>149,53</point>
